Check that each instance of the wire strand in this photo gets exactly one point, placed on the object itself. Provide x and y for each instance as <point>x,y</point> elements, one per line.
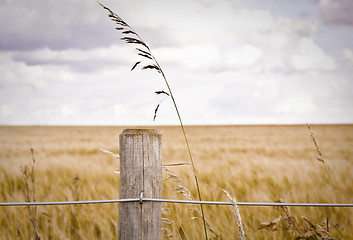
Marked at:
<point>255,204</point>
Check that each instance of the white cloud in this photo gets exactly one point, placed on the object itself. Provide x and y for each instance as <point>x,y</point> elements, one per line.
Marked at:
<point>109,54</point>
<point>119,110</point>
<point>6,110</point>
<point>264,23</point>
<point>246,56</point>
<point>193,57</point>
<point>13,72</point>
<point>278,40</point>
<point>309,56</point>
<point>218,23</point>
<point>67,110</point>
<point>348,55</point>
<point>296,104</point>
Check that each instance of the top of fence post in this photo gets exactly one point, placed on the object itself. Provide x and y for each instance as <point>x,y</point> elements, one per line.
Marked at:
<point>137,131</point>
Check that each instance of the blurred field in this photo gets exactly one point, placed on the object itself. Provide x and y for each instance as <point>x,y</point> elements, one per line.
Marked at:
<point>253,163</point>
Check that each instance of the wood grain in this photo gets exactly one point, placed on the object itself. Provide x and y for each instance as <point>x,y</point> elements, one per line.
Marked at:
<point>140,171</point>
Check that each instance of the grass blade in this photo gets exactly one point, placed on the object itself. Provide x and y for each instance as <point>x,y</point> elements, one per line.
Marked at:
<point>135,65</point>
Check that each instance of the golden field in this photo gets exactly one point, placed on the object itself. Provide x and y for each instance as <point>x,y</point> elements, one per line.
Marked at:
<point>253,163</point>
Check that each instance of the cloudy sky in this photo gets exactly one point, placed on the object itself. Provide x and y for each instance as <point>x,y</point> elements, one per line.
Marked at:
<point>227,61</point>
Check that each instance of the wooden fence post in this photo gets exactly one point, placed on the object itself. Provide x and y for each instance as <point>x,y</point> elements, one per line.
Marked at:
<point>140,173</point>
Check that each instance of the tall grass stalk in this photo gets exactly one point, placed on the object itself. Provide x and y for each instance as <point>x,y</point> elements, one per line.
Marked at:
<point>147,54</point>
<point>321,159</point>
<point>30,195</point>
<point>237,216</point>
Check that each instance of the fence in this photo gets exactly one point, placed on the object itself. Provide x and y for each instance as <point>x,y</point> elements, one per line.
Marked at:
<point>141,175</point>
<point>141,200</point>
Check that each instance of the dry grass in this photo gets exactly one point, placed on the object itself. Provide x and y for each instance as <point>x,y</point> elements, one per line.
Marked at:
<point>253,163</point>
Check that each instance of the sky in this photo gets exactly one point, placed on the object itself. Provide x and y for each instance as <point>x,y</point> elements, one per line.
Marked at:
<point>227,62</point>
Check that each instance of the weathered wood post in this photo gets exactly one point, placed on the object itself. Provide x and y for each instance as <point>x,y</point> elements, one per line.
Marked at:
<point>140,173</point>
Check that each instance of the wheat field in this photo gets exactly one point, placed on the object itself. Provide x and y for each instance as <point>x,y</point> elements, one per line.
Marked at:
<point>252,163</point>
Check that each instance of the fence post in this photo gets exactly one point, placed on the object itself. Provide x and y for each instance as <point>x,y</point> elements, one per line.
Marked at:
<point>140,173</point>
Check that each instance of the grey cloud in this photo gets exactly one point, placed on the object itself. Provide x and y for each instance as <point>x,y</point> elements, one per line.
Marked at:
<point>335,12</point>
<point>158,37</point>
<point>84,66</point>
<point>54,24</point>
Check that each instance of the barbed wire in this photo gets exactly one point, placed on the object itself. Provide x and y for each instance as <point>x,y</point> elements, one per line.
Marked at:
<point>141,200</point>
